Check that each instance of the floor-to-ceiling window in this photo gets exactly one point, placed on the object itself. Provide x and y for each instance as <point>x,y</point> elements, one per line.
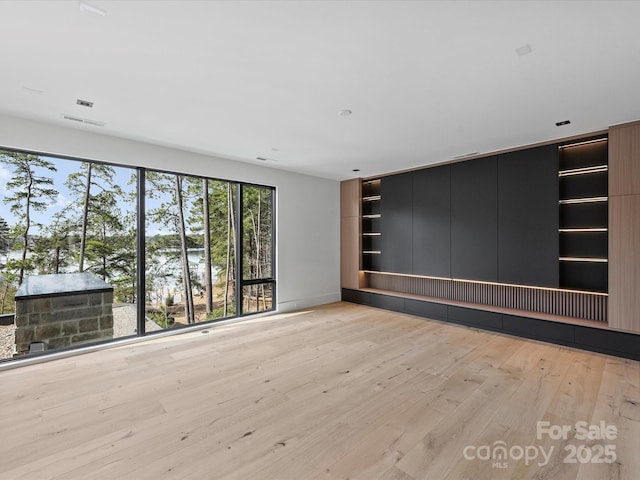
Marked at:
<point>257,251</point>
<point>74,233</point>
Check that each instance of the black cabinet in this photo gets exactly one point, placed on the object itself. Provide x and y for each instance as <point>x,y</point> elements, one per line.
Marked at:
<point>475,318</point>
<point>528,217</point>
<point>533,217</point>
<point>474,219</point>
<point>396,221</point>
<point>432,222</point>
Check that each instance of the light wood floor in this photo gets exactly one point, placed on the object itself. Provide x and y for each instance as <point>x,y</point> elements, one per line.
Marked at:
<point>337,392</point>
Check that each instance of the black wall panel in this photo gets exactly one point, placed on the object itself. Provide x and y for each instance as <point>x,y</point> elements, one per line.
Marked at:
<point>528,217</point>
<point>432,221</point>
<point>474,219</point>
<point>396,210</point>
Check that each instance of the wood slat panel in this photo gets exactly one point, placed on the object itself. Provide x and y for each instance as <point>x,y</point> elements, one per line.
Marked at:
<point>563,303</point>
<point>624,159</point>
<point>624,262</point>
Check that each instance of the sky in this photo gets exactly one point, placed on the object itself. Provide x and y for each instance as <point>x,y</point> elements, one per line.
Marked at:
<point>64,197</point>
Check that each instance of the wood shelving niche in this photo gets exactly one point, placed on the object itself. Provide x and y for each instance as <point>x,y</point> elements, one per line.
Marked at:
<point>371,224</point>
<point>583,232</point>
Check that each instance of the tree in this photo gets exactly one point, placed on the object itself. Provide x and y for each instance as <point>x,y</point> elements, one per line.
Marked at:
<point>105,220</point>
<point>170,213</point>
<point>82,183</point>
<point>5,240</point>
<point>123,266</point>
<point>214,220</point>
<point>186,271</point>
<point>231,236</point>
<point>31,192</point>
<point>257,240</point>
<point>52,250</point>
<point>6,279</point>
<point>206,233</point>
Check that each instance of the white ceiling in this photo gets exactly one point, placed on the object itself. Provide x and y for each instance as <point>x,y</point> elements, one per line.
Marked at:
<point>426,81</point>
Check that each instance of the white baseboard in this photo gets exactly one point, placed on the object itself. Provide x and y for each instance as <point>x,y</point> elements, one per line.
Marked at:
<point>290,305</point>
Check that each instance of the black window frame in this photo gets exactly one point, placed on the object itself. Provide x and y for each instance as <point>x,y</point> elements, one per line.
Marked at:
<point>140,246</point>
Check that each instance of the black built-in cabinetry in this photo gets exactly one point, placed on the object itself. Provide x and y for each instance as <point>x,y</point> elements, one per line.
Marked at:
<point>528,217</point>
<point>432,222</point>
<point>474,219</point>
<point>534,217</point>
<point>396,222</point>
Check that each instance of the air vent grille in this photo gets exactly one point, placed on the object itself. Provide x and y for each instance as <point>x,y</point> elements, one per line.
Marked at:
<point>83,120</point>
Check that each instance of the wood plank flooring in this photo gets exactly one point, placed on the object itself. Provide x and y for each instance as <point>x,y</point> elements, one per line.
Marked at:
<point>340,391</point>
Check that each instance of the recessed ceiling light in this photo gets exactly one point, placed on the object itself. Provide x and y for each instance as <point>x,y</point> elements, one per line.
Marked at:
<point>524,50</point>
<point>345,112</point>
<point>87,8</point>
<point>564,122</point>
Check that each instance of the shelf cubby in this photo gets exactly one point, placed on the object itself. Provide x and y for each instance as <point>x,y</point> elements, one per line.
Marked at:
<point>370,223</point>
<point>583,215</point>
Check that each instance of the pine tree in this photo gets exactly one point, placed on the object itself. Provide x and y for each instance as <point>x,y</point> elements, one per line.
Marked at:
<point>31,193</point>
<point>94,188</point>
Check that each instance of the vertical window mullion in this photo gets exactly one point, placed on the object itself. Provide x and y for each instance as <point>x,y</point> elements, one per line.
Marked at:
<point>273,248</point>
<point>239,286</point>
<point>140,253</point>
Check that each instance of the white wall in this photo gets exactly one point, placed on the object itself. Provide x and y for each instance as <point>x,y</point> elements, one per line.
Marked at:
<point>307,214</point>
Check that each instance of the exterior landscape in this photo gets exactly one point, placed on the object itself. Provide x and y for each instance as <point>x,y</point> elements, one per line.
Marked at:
<point>61,216</point>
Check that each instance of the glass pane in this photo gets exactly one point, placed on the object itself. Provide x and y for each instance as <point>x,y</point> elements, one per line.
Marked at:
<point>257,298</point>
<point>190,230</point>
<point>257,239</point>
<point>67,253</point>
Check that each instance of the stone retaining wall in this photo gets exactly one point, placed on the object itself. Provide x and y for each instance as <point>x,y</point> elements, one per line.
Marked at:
<point>63,319</point>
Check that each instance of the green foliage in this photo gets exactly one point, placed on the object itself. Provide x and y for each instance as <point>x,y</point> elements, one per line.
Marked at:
<point>97,231</point>
<point>5,238</point>
<point>161,318</point>
<point>218,313</point>
<point>31,191</point>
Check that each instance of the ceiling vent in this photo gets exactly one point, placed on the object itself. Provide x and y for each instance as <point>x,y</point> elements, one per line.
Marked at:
<point>524,50</point>
<point>84,120</point>
<point>84,103</point>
